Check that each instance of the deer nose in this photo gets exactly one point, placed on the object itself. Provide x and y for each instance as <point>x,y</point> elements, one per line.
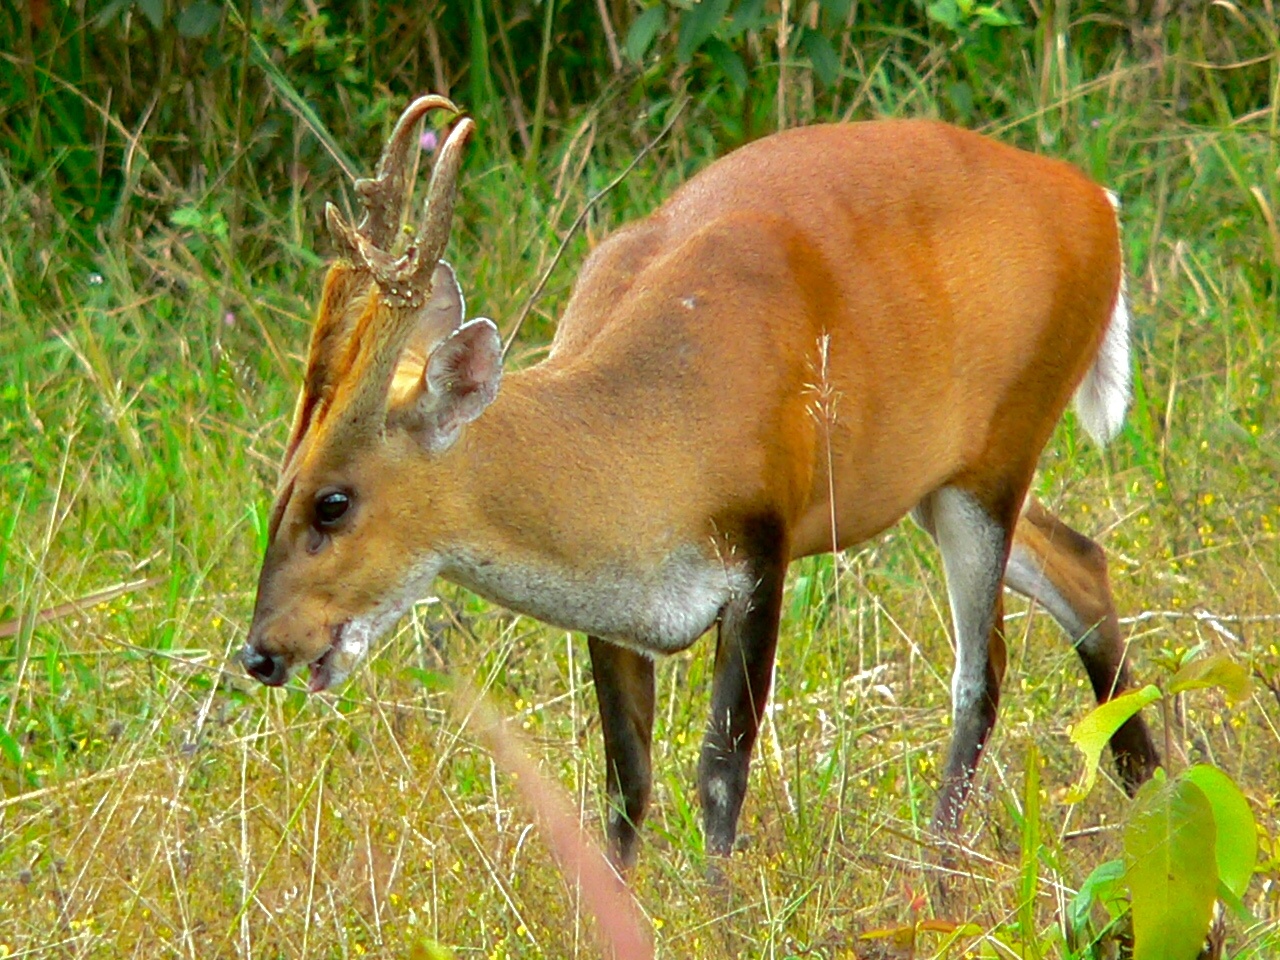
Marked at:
<point>264,667</point>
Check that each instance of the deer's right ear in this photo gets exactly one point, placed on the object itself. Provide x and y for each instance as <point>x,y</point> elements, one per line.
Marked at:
<point>460,380</point>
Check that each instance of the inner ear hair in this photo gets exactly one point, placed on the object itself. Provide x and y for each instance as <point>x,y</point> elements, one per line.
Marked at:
<point>466,361</point>
<point>460,380</point>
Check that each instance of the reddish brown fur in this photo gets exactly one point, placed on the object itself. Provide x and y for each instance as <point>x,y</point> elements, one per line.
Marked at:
<point>964,288</point>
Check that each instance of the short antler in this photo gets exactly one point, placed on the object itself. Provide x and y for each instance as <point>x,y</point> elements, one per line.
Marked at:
<point>404,281</point>
<point>377,339</point>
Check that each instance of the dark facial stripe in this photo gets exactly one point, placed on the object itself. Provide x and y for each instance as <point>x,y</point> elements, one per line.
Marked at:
<point>277,512</point>
<point>306,409</point>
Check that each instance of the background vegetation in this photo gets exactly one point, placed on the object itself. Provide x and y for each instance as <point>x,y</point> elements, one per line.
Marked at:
<point>162,170</point>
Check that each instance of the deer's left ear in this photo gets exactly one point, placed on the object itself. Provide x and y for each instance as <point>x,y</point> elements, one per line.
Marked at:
<point>460,380</point>
<point>441,314</point>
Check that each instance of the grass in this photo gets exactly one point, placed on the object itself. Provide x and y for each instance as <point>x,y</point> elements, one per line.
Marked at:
<point>154,802</point>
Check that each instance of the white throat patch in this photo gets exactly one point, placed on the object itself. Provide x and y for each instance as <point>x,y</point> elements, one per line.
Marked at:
<point>359,633</point>
<point>661,610</point>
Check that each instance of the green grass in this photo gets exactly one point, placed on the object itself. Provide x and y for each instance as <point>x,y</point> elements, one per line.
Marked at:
<point>155,296</point>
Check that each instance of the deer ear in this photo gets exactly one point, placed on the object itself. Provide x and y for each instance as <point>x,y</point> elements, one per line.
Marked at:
<point>440,315</point>
<point>460,380</point>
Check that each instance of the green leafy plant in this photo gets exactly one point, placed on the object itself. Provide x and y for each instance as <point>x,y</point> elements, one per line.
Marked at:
<point>726,43</point>
<point>1190,838</point>
<point>961,16</point>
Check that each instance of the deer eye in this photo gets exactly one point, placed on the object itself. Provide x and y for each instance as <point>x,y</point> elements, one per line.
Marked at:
<point>330,507</point>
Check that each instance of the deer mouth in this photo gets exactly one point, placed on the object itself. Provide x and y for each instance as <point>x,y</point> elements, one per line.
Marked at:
<point>347,646</point>
<point>321,671</point>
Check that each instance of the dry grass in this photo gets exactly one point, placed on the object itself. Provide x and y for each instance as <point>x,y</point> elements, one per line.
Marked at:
<point>155,803</point>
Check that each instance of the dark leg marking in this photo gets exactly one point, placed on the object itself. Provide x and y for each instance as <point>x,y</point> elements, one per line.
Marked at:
<point>745,648</point>
<point>624,690</point>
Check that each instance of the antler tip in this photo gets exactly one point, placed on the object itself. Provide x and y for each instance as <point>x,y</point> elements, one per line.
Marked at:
<point>466,126</point>
<point>428,102</point>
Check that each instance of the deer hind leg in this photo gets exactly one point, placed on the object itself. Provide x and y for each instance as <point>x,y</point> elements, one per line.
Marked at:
<point>745,648</point>
<point>973,538</point>
<point>624,690</point>
<point>1066,573</point>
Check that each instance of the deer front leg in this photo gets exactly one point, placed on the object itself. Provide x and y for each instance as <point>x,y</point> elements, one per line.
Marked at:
<point>624,691</point>
<point>745,646</point>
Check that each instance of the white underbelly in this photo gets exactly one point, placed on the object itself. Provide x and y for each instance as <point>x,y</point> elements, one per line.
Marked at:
<point>661,611</point>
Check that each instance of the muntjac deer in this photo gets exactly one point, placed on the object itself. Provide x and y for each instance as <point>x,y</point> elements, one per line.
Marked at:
<point>820,333</point>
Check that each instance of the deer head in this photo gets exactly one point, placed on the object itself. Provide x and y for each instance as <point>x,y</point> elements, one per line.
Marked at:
<point>392,377</point>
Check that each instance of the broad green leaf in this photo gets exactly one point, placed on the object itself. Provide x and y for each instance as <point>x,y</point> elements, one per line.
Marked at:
<point>1237,846</point>
<point>826,63</point>
<point>945,12</point>
<point>729,63</point>
<point>643,30</point>
<point>750,15</point>
<point>198,19</point>
<point>698,25</point>
<point>1219,671</point>
<point>1092,733</point>
<point>153,10</point>
<point>1101,886</point>
<point>1173,879</point>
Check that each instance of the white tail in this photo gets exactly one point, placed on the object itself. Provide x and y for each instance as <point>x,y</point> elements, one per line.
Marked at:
<point>1102,398</point>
